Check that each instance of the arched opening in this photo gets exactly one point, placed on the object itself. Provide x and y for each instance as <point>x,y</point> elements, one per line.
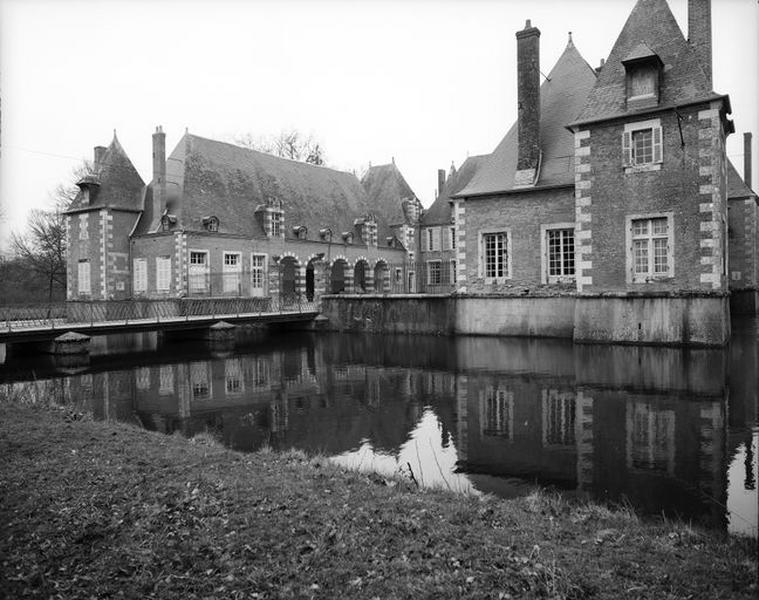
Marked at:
<point>359,276</point>
<point>288,269</point>
<point>381,277</point>
<point>310,281</point>
<point>337,277</point>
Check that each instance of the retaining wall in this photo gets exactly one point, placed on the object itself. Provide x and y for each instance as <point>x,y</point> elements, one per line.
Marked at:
<point>700,319</point>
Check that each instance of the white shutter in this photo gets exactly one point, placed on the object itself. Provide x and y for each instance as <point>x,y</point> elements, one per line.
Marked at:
<point>627,148</point>
<point>657,145</point>
<point>83,274</point>
<point>163,273</point>
<point>435,238</point>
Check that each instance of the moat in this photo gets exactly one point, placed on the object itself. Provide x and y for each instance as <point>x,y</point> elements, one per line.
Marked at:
<point>667,431</point>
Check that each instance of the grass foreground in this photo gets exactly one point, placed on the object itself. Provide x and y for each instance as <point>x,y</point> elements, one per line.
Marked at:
<point>105,510</point>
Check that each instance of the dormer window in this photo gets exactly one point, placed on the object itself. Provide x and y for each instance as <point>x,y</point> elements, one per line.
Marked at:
<point>167,221</point>
<point>642,83</point>
<point>643,68</point>
<point>325,234</point>
<point>347,237</point>
<point>300,232</point>
<point>211,224</point>
<point>275,224</point>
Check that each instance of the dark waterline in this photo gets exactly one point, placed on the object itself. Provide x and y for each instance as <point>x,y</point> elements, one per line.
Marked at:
<point>669,431</point>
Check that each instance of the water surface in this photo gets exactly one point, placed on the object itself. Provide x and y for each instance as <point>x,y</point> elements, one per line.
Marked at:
<point>669,431</point>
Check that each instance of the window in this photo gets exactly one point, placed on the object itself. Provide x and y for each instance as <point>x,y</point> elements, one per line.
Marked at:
<point>163,273</point>
<point>497,413</point>
<point>198,258</point>
<point>494,255</point>
<point>642,83</point>
<point>211,223</point>
<point>276,224</point>
<point>140,275</point>
<point>84,277</point>
<point>398,275</point>
<point>559,414</point>
<point>143,378</point>
<point>453,272</point>
<point>429,240</point>
<point>231,273</point>
<point>233,376</point>
<point>166,380</point>
<point>650,437</point>
<point>434,272</point>
<point>257,262</point>
<point>200,380</point>
<point>650,248</point>
<point>84,233</point>
<point>561,253</point>
<point>452,238</point>
<point>198,271</point>
<point>642,144</point>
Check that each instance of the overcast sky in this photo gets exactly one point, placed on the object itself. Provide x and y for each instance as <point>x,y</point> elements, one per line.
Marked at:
<point>427,82</point>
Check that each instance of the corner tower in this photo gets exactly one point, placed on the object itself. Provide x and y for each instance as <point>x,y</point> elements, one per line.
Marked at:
<point>651,188</point>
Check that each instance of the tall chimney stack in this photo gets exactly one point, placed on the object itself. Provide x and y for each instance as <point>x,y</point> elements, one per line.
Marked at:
<point>159,171</point>
<point>440,181</point>
<point>528,97</point>
<point>747,158</point>
<point>98,156</point>
<point>700,33</point>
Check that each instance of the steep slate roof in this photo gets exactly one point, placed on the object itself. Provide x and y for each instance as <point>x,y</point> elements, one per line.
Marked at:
<point>562,96</point>
<point>387,189</point>
<point>226,181</point>
<point>120,185</point>
<point>736,187</point>
<point>652,25</point>
<point>439,213</point>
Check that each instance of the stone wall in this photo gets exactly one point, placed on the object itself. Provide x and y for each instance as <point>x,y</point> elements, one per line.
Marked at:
<point>700,320</point>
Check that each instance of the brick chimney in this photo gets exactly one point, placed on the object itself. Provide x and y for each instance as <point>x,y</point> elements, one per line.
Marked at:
<point>747,158</point>
<point>528,97</point>
<point>159,171</point>
<point>440,181</point>
<point>700,33</point>
<point>98,156</point>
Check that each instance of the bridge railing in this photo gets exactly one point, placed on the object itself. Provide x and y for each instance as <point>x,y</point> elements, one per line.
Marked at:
<point>61,315</point>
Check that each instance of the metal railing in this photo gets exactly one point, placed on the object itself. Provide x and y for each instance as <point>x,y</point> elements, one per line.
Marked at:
<point>92,312</point>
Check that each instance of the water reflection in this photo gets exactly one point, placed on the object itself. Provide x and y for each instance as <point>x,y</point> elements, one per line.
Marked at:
<point>667,430</point>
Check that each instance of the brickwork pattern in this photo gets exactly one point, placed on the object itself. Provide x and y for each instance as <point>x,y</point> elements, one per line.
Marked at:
<point>521,215</point>
<point>583,210</point>
<point>689,184</point>
<point>712,195</point>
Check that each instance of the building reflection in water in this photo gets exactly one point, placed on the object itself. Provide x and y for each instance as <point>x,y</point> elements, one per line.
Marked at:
<point>645,426</point>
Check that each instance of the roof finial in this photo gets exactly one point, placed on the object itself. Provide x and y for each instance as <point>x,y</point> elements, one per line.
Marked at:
<point>393,159</point>
<point>570,44</point>
<point>114,134</point>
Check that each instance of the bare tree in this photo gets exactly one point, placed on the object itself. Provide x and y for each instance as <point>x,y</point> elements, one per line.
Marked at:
<point>290,144</point>
<point>42,247</point>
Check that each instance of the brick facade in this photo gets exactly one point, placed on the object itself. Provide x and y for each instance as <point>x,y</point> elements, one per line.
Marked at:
<point>689,185</point>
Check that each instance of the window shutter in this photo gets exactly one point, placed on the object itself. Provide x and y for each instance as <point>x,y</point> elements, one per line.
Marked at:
<point>627,148</point>
<point>657,145</point>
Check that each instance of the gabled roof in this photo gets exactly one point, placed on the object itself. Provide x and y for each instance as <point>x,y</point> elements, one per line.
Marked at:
<point>114,182</point>
<point>562,96</point>
<point>439,213</point>
<point>651,27</point>
<point>736,187</point>
<point>387,190</point>
<point>229,182</point>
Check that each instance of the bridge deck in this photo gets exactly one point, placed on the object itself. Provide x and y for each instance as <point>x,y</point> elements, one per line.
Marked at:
<point>41,329</point>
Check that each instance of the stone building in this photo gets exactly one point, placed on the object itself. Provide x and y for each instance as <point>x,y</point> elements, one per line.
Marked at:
<point>219,220</point>
<point>612,189</point>
<point>391,197</point>
<point>437,232</point>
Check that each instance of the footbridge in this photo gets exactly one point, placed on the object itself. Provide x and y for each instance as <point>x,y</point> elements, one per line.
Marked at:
<point>40,323</point>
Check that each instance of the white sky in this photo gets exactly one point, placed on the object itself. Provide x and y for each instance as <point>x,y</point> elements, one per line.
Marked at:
<point>424,81</point>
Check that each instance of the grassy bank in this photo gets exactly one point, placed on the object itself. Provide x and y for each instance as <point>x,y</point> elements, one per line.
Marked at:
<point>96,510</point>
